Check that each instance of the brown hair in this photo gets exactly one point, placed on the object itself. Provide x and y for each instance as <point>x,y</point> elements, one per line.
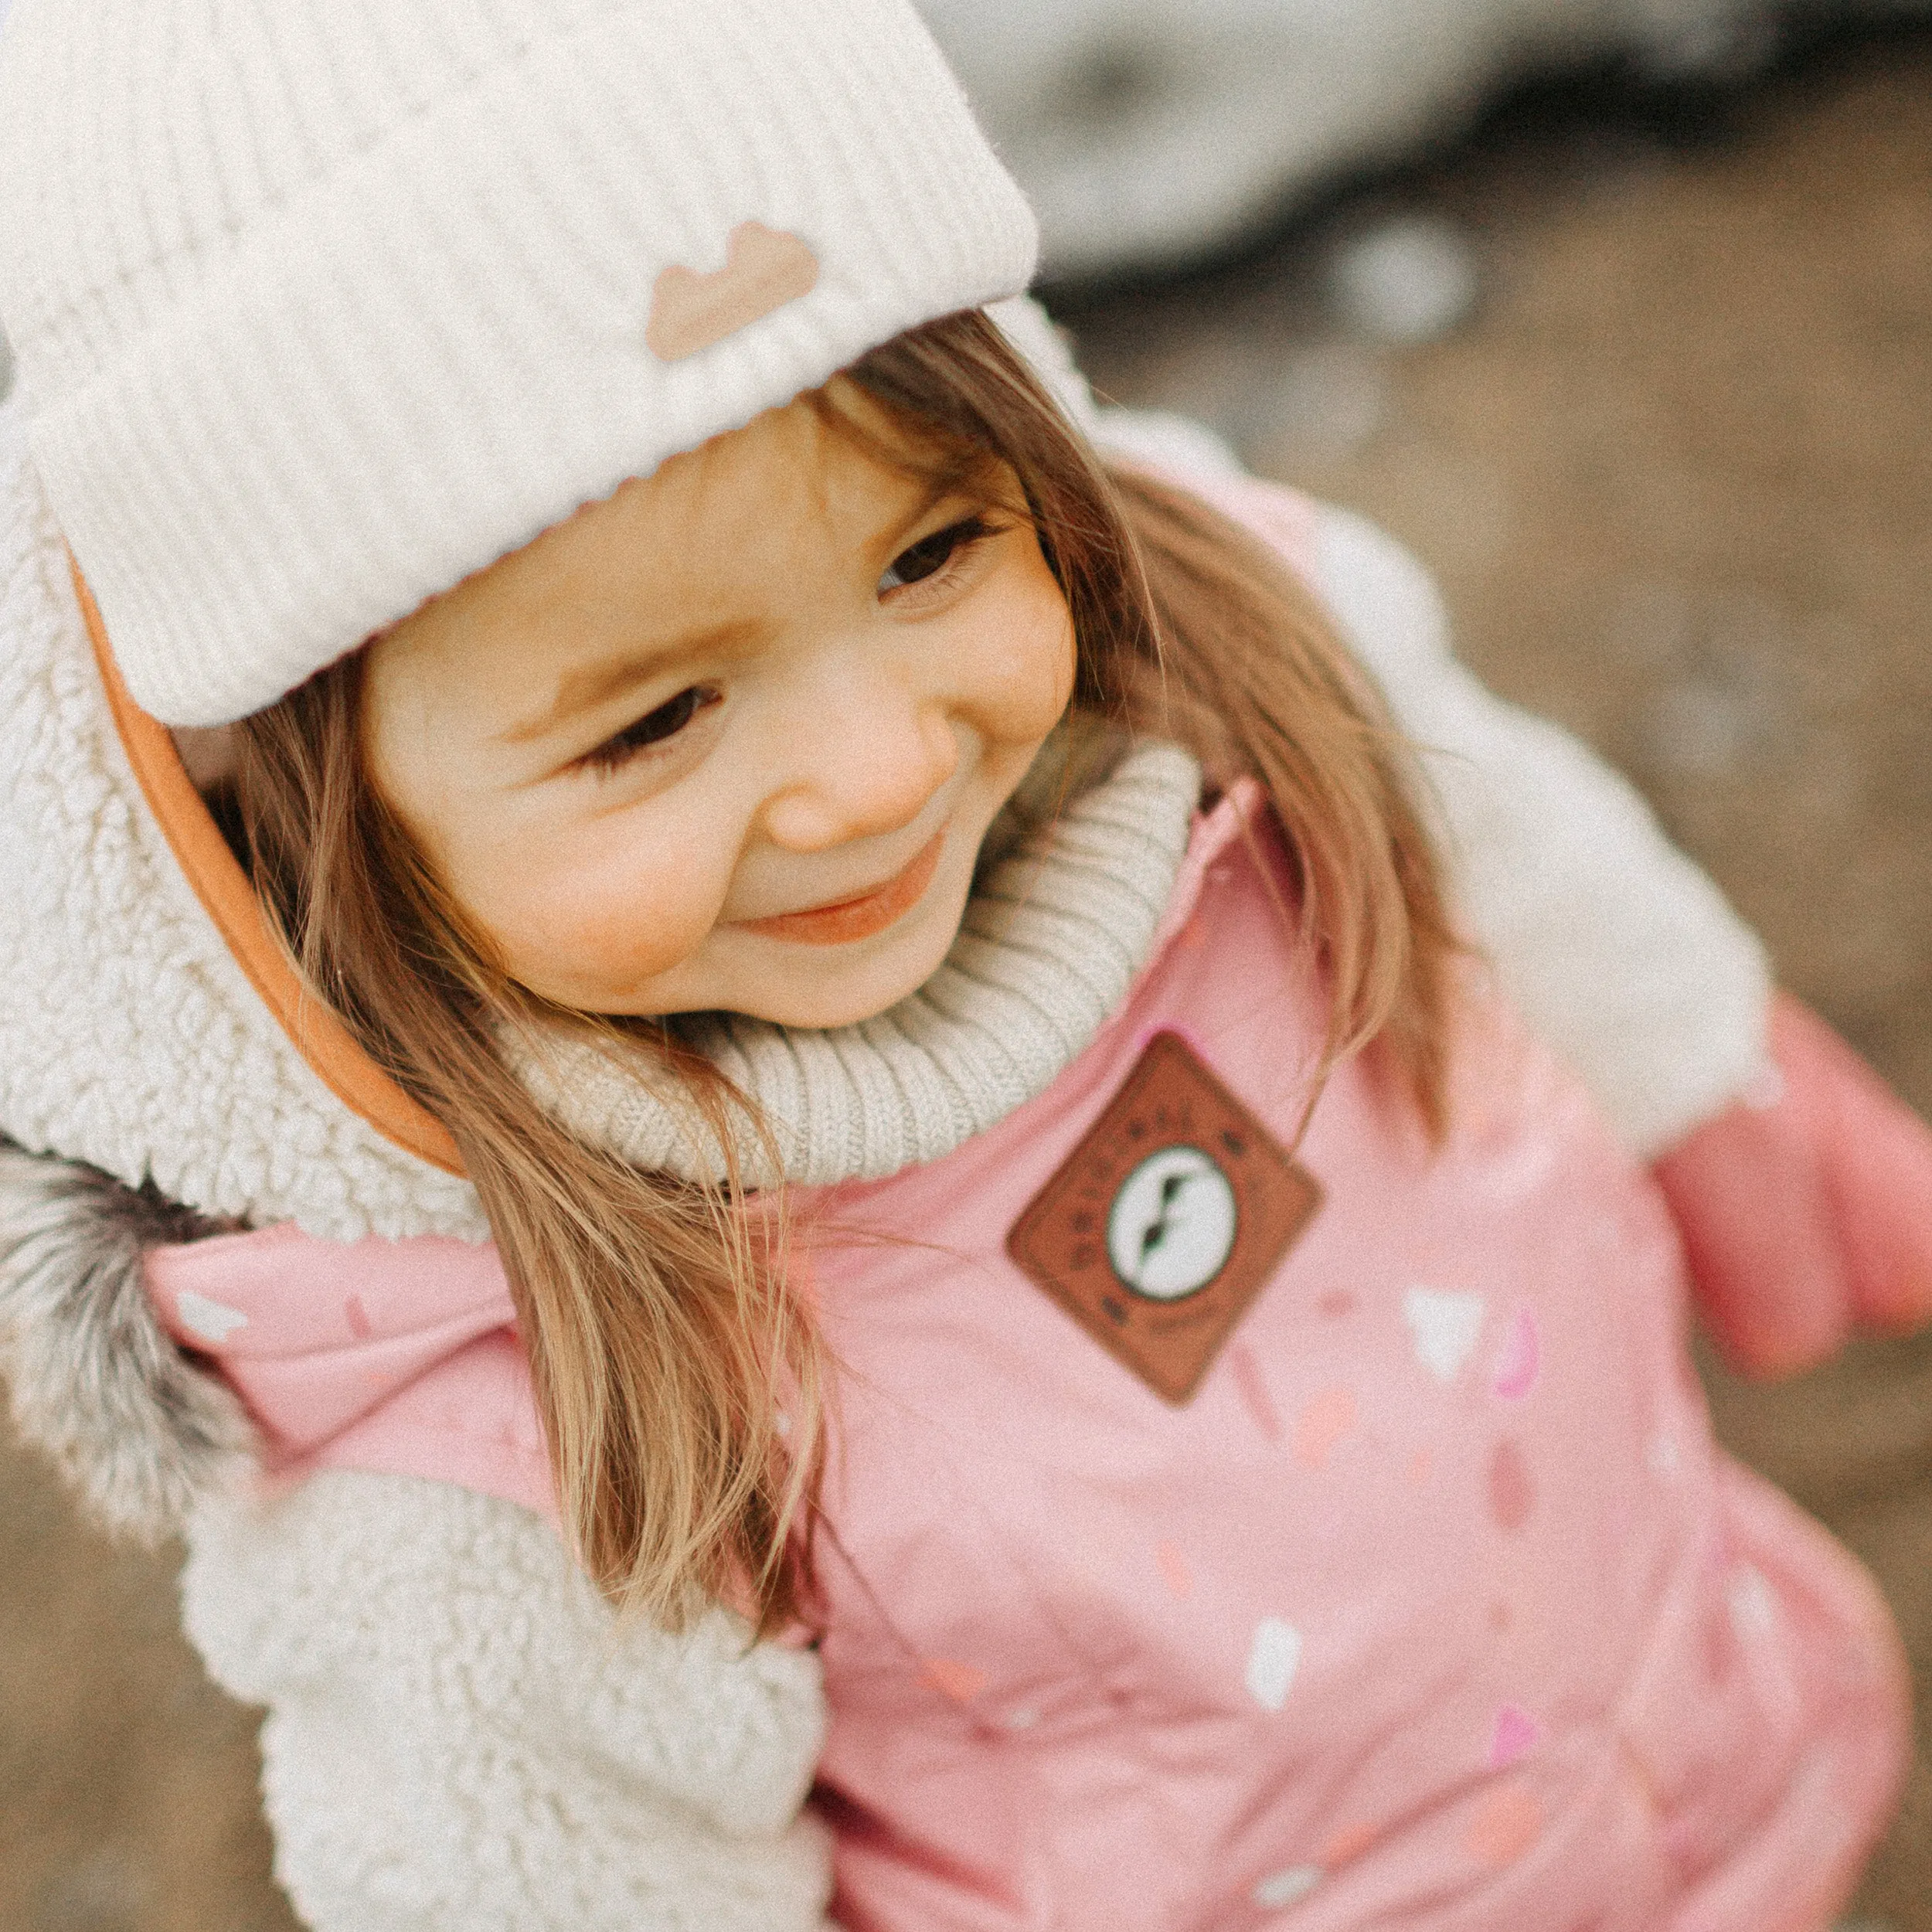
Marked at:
<point>679,1382</point>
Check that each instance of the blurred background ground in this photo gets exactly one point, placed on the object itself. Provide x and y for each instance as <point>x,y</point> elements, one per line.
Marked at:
<point>1672,470</point>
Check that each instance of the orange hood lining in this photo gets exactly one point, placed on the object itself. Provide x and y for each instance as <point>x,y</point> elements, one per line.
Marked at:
<point>229,900</point>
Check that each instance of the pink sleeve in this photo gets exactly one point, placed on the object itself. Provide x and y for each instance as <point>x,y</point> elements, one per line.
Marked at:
<point>1809,1216</point>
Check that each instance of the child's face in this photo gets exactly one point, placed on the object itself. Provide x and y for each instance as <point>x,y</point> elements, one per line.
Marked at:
<point>731,738</point>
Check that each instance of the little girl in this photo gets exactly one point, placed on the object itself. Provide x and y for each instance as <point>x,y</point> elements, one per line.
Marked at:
<point>772,1118</point>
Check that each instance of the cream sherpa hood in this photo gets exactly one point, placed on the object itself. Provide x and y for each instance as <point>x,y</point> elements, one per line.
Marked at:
<point>131,1037</point>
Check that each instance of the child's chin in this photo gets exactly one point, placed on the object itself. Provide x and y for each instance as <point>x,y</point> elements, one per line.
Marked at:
<point>846,985</point>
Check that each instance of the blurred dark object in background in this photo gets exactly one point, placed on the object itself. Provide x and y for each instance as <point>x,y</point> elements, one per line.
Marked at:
<point>1151,134</point>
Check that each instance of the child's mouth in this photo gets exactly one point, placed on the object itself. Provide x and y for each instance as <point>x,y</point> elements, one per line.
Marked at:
<point>871,912</point>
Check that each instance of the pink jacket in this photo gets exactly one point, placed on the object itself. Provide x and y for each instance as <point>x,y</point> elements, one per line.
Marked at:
<point>1371,1565</point>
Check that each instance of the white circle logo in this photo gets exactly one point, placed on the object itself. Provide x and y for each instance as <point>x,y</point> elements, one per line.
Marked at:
<point>1172,1227</point>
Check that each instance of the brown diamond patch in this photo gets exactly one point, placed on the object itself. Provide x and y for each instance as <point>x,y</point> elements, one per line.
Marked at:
<point>1161,1227</point>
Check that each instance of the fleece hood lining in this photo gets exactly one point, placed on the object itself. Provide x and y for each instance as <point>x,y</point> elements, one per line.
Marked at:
<point>223,889</point>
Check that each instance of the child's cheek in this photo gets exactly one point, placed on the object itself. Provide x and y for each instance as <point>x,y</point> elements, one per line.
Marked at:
<point>592,929</point>
<point>1029,674</point>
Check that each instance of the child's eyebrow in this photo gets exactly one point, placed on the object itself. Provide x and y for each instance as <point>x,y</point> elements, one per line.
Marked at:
<point>588,686</point>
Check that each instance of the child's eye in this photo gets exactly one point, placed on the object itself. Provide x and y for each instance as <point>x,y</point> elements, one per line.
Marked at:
<point>653,728</point>
<point>931,554</point>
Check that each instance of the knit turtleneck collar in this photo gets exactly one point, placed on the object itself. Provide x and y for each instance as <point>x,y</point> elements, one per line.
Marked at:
<point>1063,917</point>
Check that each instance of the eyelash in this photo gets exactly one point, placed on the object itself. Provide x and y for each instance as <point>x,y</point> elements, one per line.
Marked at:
<point>654,728</point>
<point>966,535</point>
<point>659,726</point>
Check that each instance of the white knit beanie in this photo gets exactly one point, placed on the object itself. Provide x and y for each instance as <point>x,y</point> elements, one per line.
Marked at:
<point>320,305</point>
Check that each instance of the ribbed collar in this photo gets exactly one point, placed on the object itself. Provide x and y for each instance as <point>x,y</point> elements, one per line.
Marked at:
<point>1070,894</point>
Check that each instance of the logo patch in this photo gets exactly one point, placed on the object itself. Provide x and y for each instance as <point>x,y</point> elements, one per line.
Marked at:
<point>1161,1225</point>
<point>764,268</point>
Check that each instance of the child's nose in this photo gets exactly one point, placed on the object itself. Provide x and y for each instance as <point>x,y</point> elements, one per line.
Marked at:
<point>862,774</point>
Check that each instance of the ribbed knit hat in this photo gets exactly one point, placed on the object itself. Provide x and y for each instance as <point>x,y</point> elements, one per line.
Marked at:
<point>320,305</point>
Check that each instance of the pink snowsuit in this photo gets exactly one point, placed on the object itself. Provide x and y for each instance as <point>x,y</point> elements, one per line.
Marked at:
<point>1434,1608</point>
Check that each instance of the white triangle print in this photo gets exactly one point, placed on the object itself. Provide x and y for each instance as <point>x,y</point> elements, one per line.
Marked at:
<point>1273,1661</point>
<point>1444,1324</point>
<point>207,1320</point>
<point>1287,1888</point>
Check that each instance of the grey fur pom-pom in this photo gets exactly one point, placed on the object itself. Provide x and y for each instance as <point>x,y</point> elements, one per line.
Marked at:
<point>140,1430</point>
